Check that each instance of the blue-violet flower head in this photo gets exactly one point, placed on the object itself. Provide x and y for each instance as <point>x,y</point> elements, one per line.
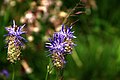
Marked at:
<point>60,45</point>
<point>56,44</point>
<point>16,32</point>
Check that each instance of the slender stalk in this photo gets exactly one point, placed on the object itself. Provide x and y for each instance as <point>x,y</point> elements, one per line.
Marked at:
<point>46,78</point>
<point>59,74</point>
<point>70,13</point>
<point>49,70</point>
<point>13,72</point>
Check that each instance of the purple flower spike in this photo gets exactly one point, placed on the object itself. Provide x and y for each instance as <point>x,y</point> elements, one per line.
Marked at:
<point>14,41</point>
<point>60,45</point>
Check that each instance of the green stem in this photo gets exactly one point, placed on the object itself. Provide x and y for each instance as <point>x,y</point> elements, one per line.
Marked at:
<point>59,74</point>
<point>13,72</point>
<point>49,70</point>
<point>46,78</point>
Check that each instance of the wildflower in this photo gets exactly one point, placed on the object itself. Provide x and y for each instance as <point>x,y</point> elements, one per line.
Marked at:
<point>60,45</point>
<point>14,41</point>
<point>5,73</point>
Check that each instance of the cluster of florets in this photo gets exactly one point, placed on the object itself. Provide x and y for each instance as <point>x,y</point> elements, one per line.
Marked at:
<point>16,31</point>
<point>14,41</point>
<point>60,45</point>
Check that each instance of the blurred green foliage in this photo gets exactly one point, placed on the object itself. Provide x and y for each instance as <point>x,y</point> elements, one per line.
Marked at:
<point>96,56</point>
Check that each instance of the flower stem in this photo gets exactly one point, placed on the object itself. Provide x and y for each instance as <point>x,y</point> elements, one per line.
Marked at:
<point>59,74</point>
<point>13,72</point>
<point>49,70</point>
<point>46,78</point>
